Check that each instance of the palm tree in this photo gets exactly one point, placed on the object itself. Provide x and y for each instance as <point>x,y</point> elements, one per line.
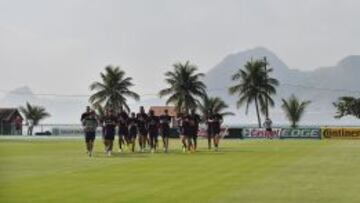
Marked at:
<point>214,105</point>
<point>254,85</point>
<point>113,90</point>
<point>347,106</point>
<point>294,109</point>
<point>33,115</point>
<point>184,86</point>
<point>100,111</point>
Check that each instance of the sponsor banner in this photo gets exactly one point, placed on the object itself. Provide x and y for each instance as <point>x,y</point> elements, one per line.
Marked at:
<point>261,133</point>
<point>234,133</point>
<point>72,131</point>
<point>341,133</point>
<point>203,132</point>
<point>300,133</point>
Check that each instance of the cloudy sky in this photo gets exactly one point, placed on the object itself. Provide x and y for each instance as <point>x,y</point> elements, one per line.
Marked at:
<point>61,46</point>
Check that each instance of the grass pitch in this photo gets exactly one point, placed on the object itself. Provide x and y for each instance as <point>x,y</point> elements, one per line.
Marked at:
<point>57,170</point>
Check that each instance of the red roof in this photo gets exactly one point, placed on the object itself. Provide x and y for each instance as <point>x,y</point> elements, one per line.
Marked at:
<point>159,110</point>
<point>6,114</point>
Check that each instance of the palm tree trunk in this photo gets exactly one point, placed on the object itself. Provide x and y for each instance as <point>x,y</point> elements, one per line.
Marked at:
<point>257,112</point>
<point>186,106</point>
<point>31,130</point>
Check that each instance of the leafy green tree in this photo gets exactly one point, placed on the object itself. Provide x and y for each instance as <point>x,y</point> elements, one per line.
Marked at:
<point>33,115</point>
<point>214,105</point>
<point>185,86</point>
<point>113,90</point>
<point>254,85</point>
<point>294,109</point>
<point>347,106</point>
<point>100,111</point>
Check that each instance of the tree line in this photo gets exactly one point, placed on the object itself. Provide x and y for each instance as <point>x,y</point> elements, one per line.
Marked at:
<point>185,90</point>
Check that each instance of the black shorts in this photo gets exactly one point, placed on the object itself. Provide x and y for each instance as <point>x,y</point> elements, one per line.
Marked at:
<point>143,131</point>
<point>213,132</point>
<point>268,129</point>
<point>195,132</point>
<point>89,136</point>
<point>133,132</point>
<point>210,132</point>
<point>187,132</point>
<point>165,132</point>
<point>123,131</point>
<point>153,133</point>
<point>109,134</point>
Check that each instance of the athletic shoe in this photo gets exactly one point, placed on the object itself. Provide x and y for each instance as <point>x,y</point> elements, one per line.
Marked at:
<point>109,153</point>
<point>152,151</point>
<point>184,149</point>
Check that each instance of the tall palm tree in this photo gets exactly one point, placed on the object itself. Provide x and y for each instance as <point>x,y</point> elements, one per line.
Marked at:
<point>294,109</point>
<point>347,106</point>
<point>113,90</point>
<point>184,88</point>
<point>100,111</point>
<point>33,115</point>
<point>213,104</point>
<point>254,85</point>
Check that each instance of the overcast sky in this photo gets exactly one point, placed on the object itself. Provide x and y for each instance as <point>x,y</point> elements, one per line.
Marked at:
<point>61,46</point>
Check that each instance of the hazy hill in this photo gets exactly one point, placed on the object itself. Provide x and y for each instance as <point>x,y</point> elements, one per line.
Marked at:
<point>62,110</point>
<point>322,86</point>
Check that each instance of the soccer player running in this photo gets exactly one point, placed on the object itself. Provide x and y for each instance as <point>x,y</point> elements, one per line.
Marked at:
<point>90,124</point>
<point>194,125</point>
<point>153,126</point>
<point>165,121</point>
<point>187,132</point>
<point>85,114</point>
<point>133,130</point>
<point>110,121</point>
<point>180,121</point>
<point>210,128</point>
<point>216,121</point>
<point>142,119</point>
<point>123,128</point>
<point>101,122</point>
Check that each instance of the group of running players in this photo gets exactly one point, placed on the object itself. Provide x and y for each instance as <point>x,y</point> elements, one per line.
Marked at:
<point>146,127</point>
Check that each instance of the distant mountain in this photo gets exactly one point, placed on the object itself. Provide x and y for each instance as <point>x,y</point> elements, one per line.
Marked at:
<point>18,94</point>
<point>62,110</point>
<point>322,86</point>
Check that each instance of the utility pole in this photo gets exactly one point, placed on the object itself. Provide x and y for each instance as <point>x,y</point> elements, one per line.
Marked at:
<point>266,99</point>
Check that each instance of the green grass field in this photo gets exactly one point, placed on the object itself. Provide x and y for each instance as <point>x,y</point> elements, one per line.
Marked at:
<point>57,170</point>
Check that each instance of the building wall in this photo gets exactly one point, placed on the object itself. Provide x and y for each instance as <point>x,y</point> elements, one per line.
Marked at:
<point>7,128</point>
